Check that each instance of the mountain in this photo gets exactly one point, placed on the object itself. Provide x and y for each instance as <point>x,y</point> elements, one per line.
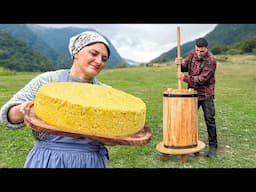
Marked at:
<point>229,34</point>
<point>58,39</point>
<point>53,42</point>
<point>16,55</point>
<point>226,34</point>
<point>23,32</point>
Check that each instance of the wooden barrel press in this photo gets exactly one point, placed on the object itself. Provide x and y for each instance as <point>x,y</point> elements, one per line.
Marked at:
<point>180,121</point>
<point>180,124</point>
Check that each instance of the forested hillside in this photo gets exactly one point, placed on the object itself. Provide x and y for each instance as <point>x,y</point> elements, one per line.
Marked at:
<point>58,39</point>
<point>16,55</point>
<point>224,36</point>
<point>53,42</point>
<point>24,33</point>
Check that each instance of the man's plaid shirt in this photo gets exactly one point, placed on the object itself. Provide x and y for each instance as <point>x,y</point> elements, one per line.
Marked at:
<point>201,73</point>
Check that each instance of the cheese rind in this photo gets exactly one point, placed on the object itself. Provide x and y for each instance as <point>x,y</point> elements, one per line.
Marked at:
<point>89,109</point>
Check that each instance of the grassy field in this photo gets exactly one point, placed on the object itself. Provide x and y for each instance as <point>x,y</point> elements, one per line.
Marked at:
<point>235,117</point>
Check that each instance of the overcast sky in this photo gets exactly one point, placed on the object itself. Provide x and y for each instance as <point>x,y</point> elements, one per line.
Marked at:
<point>144,42</point>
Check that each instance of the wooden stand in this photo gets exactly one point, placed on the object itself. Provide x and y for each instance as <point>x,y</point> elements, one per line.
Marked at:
<point>180,134</point>
<point>166,151</point>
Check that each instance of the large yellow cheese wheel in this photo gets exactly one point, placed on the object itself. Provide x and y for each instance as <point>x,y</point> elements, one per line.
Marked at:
<point>89,109</point>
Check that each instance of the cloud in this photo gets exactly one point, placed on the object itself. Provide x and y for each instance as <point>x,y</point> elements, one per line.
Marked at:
<point>144,42</point>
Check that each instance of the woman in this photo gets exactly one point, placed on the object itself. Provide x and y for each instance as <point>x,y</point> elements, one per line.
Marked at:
<point>89,51</point>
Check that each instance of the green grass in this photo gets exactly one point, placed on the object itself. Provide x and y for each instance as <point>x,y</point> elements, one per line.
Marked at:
<point>235,117</point>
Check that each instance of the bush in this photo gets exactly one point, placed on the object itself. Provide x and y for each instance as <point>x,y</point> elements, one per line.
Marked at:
<point>222,58</point>
<point>234,52</point>
<point>4,71</point>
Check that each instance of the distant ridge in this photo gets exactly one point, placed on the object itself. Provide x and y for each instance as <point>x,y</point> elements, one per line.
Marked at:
<point>226,34</point>
<point>53,42</point>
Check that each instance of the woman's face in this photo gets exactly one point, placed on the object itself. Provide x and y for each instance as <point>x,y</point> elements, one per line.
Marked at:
<point>90,60</point>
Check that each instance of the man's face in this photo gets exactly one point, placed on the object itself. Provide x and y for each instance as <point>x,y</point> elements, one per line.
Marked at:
<point>201,51</point>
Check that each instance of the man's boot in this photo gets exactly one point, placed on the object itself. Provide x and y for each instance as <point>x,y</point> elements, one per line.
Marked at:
<point>212,151</point>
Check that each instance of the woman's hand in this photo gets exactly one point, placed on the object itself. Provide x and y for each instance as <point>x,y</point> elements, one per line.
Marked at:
<point>24,105</point>
<point>16,113</point>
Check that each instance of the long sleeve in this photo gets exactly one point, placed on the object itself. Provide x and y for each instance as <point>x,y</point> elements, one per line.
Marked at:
<point>186,62</point>
<point>201,73</point>
<point>27,93</point>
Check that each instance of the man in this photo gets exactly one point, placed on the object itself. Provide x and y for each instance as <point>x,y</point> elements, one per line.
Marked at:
<point>201,65</point>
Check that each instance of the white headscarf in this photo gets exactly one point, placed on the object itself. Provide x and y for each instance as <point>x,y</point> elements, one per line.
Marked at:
<point>77,42</point>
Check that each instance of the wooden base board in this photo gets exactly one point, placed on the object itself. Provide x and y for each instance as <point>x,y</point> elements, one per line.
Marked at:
<point>160,147</point>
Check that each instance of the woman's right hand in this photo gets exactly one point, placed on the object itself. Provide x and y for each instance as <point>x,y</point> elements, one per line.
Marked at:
<point>24,105</point>
<point>16,113</point>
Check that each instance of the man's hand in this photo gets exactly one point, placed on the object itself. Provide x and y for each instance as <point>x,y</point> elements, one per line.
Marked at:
<point>178,60</point>
<point>180,76</point>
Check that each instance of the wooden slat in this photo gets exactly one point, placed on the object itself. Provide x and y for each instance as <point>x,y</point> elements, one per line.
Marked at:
<point>180,119</point>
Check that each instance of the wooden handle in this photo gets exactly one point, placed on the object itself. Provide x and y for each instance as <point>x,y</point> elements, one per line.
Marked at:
<point>178,55</point>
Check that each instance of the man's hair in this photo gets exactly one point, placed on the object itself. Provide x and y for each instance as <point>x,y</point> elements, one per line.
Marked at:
<point>201,42</point>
